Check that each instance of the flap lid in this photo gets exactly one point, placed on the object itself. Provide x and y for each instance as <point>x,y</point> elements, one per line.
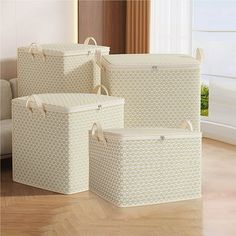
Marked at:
<point>68,102</point>
<point>66,49</point>
<point>147,60</point>
<point>149,133</point>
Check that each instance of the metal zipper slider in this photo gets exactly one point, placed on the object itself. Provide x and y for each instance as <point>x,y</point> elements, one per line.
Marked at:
<point>162,137</point>
<point>155,68</point>
<point>99,107</point>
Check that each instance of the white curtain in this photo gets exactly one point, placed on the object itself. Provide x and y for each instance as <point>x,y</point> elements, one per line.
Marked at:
<point>171,26</point>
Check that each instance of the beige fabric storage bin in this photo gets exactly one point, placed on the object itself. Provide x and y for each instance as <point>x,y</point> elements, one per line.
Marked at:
<point>58,68</point>
<point>159,90</point>
<point>134,167</point>
<point>50,138</point>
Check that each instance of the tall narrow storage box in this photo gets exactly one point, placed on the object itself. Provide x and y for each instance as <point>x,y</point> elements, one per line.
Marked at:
<point>159,90</point>
<point>50,138</point>
<point>133,167</point>
<point>58,68</point>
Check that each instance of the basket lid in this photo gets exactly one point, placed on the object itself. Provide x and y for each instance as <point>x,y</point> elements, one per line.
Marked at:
<point>68,102</point>
<point>149,60</point>
<point>71,49</point>
<point>149,133</point>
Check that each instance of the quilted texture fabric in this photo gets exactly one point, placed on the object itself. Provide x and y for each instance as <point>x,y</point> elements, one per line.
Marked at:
<point>51,152</point>
<point>156,96</point>
<point>137,60</point>
<point>56,74</point>
<point>71,102</point>
<point>70,49</point>
<point>142,172</point>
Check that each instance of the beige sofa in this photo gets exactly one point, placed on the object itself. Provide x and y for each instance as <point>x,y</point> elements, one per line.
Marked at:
<point>8,92</point>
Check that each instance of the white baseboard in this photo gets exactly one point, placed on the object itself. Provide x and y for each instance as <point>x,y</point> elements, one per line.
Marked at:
<point>217,131</point>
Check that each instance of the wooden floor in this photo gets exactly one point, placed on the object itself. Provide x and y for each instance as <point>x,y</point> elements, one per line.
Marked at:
<point>31,211</point>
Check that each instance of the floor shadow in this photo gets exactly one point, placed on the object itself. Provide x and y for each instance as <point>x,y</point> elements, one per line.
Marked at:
<point>11,188</point>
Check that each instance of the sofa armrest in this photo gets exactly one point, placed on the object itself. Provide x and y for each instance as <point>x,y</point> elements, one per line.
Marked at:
<point>6,96</point>
<point>14,87</point>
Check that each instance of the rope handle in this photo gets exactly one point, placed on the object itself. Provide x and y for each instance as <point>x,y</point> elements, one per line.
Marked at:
<point>97,89</point>
<point>98,58</point>
<point>97,133</point>
<point>87,40</point>
<point>187,124</point>
<point>199,54</point>
<point>38,102</point>
<point>35,48</point>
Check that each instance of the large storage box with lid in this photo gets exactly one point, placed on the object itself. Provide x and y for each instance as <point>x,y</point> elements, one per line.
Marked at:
<point>159,90</point>
<point>132,167</point>
<point>58,68</point>
<point>50,138</point>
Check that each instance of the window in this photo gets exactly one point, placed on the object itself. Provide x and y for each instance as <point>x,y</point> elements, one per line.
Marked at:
<point>214,30</point>
<point>184,25</point>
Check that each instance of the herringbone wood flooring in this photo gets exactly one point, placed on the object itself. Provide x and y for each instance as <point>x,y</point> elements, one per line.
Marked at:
<point>29,211</point>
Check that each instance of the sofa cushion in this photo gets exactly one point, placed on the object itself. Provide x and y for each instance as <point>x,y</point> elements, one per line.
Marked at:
<point>6,96</point>
<point>6,136</point>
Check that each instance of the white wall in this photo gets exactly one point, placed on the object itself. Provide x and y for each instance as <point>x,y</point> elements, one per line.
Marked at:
<point>42,21</point>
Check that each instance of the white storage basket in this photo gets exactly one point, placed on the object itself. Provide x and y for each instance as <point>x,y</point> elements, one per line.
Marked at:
<point>58,68</point>
<point>159,90</point>
<point>50,138</point>
<point>132,167</point>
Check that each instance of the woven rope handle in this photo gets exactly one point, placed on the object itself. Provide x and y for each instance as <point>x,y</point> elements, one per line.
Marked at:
<point>87,40</point>
<point>97,89</point>
<point>97,133</point>
<point>98,58</point>
<point>34,48</point>
<point>199,55</point>
<point>187,125</point>
<point>37,101</point>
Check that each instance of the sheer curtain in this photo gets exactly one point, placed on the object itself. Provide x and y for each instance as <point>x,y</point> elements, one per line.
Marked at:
<point>171,26</point>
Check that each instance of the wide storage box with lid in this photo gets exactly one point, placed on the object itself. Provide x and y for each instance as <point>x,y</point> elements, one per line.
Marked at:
<point>58,68</point>
<point>159,90</point>
<point>133,167</point>
<point>50,138</point>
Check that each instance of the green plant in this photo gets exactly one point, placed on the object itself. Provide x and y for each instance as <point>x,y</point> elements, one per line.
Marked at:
<point>204,100</point>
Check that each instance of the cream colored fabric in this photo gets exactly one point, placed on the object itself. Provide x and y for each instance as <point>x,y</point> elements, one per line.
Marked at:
<point>138,172</point>
<point>97,89</point>
<point>147,60</point>
<point>6,96</point>
<point>200,54</point>
<point>142,133</point>
<point>62,50</point>
<point>97,132</point>
<point>87,40</point>
<point>159,90</point>
<point>51,151</point>
<point>68,68</point>
<point>6,136</point>
<point>68,102</point>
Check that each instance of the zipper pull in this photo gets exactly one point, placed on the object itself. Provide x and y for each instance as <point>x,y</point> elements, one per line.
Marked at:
<point>155,68</point>
<point>162,137</point>
<point>99,107</point>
